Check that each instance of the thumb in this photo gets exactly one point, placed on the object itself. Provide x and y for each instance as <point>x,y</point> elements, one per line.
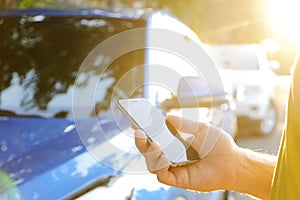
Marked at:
<point>204,135</point>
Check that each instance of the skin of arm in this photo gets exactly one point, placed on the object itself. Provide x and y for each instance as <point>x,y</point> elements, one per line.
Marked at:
<point>226,167</point>
<point>255,173</point>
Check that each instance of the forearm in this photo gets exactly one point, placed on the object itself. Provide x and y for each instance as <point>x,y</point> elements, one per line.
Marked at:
<point>254,173</point>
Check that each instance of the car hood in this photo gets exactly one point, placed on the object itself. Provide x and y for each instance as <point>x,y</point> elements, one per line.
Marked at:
<point>36,153</point>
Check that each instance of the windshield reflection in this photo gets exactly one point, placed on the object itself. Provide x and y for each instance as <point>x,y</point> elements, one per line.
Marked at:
<point>39,67</point>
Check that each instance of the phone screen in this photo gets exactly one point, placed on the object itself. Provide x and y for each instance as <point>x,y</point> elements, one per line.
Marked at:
<point>149,119</point>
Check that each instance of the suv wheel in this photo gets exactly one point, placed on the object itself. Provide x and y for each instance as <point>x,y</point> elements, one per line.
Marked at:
<point>266,126</point>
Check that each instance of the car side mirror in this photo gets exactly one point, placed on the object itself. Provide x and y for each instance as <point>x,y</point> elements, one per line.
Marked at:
<point>196,92</point>
<point>193,92</point>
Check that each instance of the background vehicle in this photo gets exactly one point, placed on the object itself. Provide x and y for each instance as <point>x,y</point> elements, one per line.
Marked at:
<point>53,148</point>
<point>247,71</point>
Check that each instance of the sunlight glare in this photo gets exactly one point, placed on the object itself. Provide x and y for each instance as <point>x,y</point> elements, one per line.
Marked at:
<point>285,17</point>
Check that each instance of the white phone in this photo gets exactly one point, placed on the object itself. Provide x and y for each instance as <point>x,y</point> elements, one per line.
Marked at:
<point>148,118</point>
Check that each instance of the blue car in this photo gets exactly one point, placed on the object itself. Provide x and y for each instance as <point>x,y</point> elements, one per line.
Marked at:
<point>61,135</point>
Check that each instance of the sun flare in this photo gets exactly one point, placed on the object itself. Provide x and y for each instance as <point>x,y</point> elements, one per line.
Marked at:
<point>285,17</point>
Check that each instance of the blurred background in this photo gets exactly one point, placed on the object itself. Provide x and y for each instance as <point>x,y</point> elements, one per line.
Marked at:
<point>269,23</point>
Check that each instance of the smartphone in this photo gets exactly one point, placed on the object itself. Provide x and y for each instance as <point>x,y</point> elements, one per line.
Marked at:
<point>148,118</point>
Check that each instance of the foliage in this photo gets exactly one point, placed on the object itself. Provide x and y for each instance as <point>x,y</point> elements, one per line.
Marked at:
<point>33,3</point>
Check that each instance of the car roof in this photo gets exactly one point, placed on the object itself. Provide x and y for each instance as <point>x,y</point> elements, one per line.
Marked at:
<point>133,14</point>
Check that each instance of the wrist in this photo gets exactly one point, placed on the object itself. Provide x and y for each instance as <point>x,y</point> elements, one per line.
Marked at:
<point>254,173</point>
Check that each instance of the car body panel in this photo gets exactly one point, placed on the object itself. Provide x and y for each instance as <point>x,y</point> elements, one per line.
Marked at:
<point>36,152</point>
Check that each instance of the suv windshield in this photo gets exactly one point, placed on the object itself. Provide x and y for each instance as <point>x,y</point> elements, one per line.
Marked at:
<point>40,57</point>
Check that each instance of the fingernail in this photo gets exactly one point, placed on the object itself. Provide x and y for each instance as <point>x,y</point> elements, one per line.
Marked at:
<point>140,134</point>
<point>157,143</point>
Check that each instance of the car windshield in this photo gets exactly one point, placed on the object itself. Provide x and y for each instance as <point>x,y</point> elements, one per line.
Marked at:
<point>237,59</point>
<point>40,57</point>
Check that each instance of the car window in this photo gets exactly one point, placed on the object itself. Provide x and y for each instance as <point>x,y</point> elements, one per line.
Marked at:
<point>40,57</point>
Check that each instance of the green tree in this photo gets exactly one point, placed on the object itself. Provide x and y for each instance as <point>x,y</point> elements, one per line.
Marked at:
<point>33,3</point>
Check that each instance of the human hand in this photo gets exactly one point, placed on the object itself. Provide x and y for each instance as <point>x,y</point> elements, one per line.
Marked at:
<point>215,171</point>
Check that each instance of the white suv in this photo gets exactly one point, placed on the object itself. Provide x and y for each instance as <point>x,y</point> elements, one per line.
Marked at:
<point>246,69</point>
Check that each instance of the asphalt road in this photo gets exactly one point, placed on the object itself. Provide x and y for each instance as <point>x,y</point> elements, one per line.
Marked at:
<point>267,144</point>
